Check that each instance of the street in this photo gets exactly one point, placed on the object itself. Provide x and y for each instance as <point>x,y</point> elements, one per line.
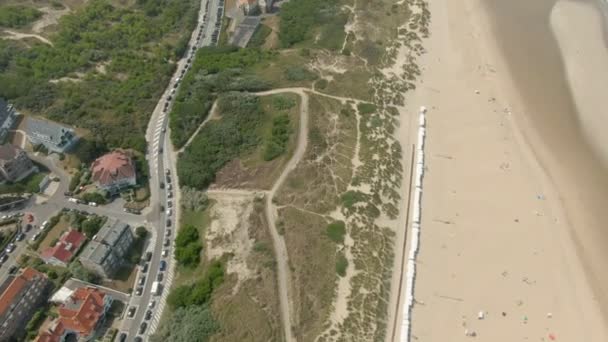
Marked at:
<point>160,161</point>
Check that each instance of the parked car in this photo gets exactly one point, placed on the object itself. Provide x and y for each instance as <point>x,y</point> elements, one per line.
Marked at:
<point>131,311</point>
<point>148,256</point>
<point>168,232</point>
<point>138,339</point>
<point>159,276</point>
<point>168,223</point>
<point>148,315</point>
<point>169,212</point>
<point>151,304</point>
<point>20,236</point>
<point>122,337</point>
<point>92,204</point>
<point>3,259</point>
<point>142,327</point>
<point>36,236</point>
<point>44,224</point>
<point>142,280</point>
<point>169,204</point>
<point>144,269</point>
<point>139,291</point>
<point>167,242</point>
<point>10,248</point>
<point>162,265</point>
<point>165,253</point>
<point>12,269</point>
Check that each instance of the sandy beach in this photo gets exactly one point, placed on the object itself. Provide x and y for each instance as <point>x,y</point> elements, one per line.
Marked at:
<point>515,184</point>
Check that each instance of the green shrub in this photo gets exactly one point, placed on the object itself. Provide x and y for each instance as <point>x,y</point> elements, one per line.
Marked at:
<point>336,231</point>
<point>220,141</point>
<point>188,246</point>
<point>18,16</point>
<point>198,293</point>
<point>321,84</point>
<point>95,197</point>
<point>366,108</point>
<point>299,73</point>
<point>283,102</point>
<point>341,265</point>
<point>300,18</point>
<point>277,143</point>
<point>350,198</point>
<point>195,323</point>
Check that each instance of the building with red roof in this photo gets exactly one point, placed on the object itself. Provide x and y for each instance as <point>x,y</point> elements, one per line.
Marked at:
<point>114,171</point>
<point>65,249</point>
<point>80,316</point>
<point>21,296</point>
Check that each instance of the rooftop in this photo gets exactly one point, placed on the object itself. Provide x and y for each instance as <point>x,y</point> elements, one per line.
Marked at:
<point>79,313</point>
<point>112,167</point>
<point>111,232</point>
<point>16,287</point>
<point>66,247</point>
<point>95,252</point>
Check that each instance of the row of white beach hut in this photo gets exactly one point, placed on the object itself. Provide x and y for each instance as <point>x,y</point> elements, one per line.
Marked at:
<point>415,235</point>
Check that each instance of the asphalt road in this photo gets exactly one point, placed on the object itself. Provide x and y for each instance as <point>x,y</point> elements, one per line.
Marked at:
<point>156,137</point>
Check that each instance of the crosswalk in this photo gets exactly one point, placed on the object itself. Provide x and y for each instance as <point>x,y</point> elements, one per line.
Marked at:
<point>156,139</point>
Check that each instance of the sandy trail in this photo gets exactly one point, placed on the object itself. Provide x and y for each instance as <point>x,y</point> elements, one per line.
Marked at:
<point>271,212</point>
<point>18,36</point>
<point>495,237</point>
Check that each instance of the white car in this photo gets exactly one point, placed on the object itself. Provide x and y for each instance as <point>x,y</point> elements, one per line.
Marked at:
<point>92,204</point>
<point>43,225</point>
<point>73,200</point>
<point>169,212</point>
<point>10,248</point>
<point>36,236</point>
<point>151,304</point>
<point>165,253</point>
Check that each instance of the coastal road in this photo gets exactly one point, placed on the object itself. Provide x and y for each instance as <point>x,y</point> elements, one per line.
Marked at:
<point>161,157</point>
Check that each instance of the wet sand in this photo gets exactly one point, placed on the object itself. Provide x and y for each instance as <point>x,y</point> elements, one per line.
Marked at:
<point>515,190</point>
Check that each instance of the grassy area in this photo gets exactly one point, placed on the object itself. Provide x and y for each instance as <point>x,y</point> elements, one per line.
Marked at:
<point>251,169</point>
<point>16,16</point>
<point>52,234</point>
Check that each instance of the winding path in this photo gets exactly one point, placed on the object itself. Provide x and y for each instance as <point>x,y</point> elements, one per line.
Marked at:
<point>18,35</point>
<point>271,211</point>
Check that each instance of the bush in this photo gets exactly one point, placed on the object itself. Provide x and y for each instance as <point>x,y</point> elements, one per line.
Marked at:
<point>220,141</point>
<point>277,143</point>
<point>75,181</point>
<point>198,293</point>
<point>194,323</point>
<point>259,36</point>
<point>95,197</point>
<point>366,108</point>
<point>188,246</point>
<point>91,225</point>
<point>350,198</point>
<point>300,18</point>
<point>298,73</point>
<point>341,265</point>
<point>18,16</point>
<point>283,102</point>
<point>321,84</point>
<point>194,200</point>
<point>336,231</point>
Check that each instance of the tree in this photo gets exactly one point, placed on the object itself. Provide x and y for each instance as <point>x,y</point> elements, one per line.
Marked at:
<point>141,232</point>
<point>91,226</point>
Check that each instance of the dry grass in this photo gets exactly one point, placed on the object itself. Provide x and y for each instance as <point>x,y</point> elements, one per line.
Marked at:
<point>252,313</point>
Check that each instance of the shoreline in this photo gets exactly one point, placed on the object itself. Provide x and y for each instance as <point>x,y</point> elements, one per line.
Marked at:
<point>496,232</point>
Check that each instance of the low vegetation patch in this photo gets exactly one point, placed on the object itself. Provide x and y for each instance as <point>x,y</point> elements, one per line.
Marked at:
<point>195,323</point>
<point>214,71</point>
<point>299,19</point>
<point>259,36</point>
<point>199,292</point>
<point>336,231</point>
<point>277,143</point>
<point>220,141</point>
<point>16,16</point>
<point>188,246</point>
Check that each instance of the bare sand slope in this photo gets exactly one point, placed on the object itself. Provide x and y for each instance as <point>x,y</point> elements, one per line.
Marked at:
<point>495,237</point>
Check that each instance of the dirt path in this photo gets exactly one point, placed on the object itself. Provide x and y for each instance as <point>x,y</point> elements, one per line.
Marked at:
<point>209,117</point>
<point>271,211</point>
<point>18,35</point>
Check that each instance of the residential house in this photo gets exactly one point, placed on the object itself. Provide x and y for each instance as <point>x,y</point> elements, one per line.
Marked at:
<point>65,249</point>
<point>14,163</point>
<point>55,137</point>
<point>21,296</point>
<point>8,117</point>
<point>106,253</point>
<point>80,315</point>
<point>114,171</point>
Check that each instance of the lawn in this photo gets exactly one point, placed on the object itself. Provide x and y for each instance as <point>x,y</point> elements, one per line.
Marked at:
<point>28,184</point>
<point>53,233</point>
